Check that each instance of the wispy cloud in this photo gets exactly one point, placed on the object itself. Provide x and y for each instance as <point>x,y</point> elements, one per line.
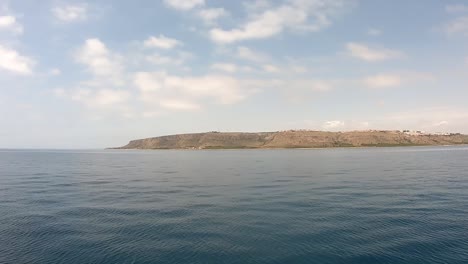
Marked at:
<point>71,13</point>
<point>55,72</point>
<point>178,59</point>
<point>157,86</point>
<point>249,54</point>
<point>313,15</point>
<point>431,119</point>
<point>226,67</point>
<point>366,53</point>
<point>10,23</point>
<point>270,68</point>
<point>179,105</point>
<point>333,125</point>
<point>457,26</point>
<point>100,97</point>
<point>383,81</point>
<point>374,32</point>
<point>184,4</point>
<point>211,15</point>
<point>458,8</point>
<point>162,42</point>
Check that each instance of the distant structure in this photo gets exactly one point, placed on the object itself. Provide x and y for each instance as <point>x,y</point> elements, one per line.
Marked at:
<point>422,133</point>
<point>414,133</point>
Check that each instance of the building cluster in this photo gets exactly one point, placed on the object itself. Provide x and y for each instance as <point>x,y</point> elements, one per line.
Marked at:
<point>414,132</point>
<point>422,133</point>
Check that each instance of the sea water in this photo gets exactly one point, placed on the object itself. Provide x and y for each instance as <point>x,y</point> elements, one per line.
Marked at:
<point>363,205</point>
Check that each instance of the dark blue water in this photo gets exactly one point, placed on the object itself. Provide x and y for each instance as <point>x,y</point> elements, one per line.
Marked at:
<point>375,205</point>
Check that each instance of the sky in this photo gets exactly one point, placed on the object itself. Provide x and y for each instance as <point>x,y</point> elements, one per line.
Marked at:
<point>95,74</point>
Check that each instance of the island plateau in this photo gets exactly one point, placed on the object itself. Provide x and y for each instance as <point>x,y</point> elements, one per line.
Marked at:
<point>297,139</point>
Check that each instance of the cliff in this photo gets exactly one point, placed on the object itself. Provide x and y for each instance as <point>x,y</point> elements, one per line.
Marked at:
<point>294,139</point>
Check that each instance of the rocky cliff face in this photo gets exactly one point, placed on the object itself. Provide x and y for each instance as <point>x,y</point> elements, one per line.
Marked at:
<point>293,139</point>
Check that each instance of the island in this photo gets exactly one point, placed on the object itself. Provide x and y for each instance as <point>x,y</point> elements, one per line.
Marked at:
<point>297,139</point>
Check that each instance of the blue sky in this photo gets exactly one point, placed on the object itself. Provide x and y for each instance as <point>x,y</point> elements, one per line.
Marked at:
<point>77,74</point>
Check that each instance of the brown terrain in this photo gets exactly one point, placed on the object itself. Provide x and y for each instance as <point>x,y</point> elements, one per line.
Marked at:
<point>296,139</point>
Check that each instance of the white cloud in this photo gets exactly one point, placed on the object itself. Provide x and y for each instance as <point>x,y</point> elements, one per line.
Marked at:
<point>160,59</point>
<point>9,23</point>
<point>154,92</point>
<point>247,69</point>
<point>456,8</point>
<point>441,123</point>
<point>100,98</point>
<point>103,98</point>
<point>333,125</point>
<point>307,85</point>
<point>168,60</point>
<point>12,61</point>
<point>374,32</point>
<point>433,119</point>
<point>270,68</point>
<point>159,87</point>
<point>383,81</point>
<point>149,81</point>
<point>338,125</point>
<point>363,125</point>
<point>417,77</point>
<point>318,85</point>
<point>101,61</point>
<point>162,42</point>
<point>179,105</point>
<point>150,114</point>
<point>299,69</point>
<point>231,68</point>
<point>300,90</point>
<point>256,6</point>
<point>436,119</point>
<point>107,96</point>
<point>184,5</point>
<point>387,80</point>
<point>459,25</point>
<point>71,13</point>
<point>59,92</point>
<point>110,99</point>
<point>251,55</point>
<point>311,15</point>
<point>80,94</point>
<point>366,53</point>
<point>55,72</point>
<point>210,15</point>
<point>226,67</point>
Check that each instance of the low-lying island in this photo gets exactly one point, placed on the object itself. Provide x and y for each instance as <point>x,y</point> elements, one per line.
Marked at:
<point>296,139</point>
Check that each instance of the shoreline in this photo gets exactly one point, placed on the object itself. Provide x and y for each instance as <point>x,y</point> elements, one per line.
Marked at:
<point>285,148</point>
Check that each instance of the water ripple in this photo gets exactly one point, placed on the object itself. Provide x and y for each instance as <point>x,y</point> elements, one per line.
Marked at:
<point>269,206</point>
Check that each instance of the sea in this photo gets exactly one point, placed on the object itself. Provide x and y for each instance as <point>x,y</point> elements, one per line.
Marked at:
<point>344,205</point>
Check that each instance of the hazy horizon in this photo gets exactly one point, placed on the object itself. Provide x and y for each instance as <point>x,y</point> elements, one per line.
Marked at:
<point>96,74</point>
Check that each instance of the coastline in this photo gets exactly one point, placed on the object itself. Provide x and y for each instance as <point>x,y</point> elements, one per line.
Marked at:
<point>286,148</point>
